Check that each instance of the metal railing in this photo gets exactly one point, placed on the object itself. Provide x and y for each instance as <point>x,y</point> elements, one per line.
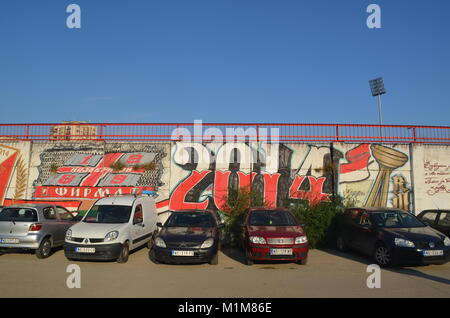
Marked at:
<point>218,132</point>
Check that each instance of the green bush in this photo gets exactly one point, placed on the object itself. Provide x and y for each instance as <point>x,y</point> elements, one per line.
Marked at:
<point>319,220</point>
<point>239,202</point>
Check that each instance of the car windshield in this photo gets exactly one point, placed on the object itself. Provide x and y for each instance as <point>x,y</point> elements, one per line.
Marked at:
<point>18,215</point>
<point>191,219</point>
<point>108,214</point>
<point>395,219</point>
<point>272,218</point>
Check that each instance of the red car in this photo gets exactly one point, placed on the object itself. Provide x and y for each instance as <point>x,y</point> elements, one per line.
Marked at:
<point>273,234</point>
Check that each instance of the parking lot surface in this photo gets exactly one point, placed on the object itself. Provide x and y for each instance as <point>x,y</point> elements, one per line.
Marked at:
<point>328,274</point>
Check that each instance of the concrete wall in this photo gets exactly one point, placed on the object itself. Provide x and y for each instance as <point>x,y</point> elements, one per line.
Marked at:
<point>184,176</point>
<point>431,165</point>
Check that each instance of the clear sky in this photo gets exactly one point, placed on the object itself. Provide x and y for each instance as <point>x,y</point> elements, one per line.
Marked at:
<point>224,61</point>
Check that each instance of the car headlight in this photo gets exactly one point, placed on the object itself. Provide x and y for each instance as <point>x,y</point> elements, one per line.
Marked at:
<point>447,241</point>
<point>257,240</point>
<point>403,243</point>
<point>160,242</point>
<point>208,243</point>
<point>301,240</point>
<point>68,234</point>
<point>111,236</point>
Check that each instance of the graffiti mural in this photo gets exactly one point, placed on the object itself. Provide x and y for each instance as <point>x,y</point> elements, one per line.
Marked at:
<point>280,172</point>
<point>431,177</point>
<point>13,173</point>
<point>93,171</point>
<point>375,175</point>
<point>276,171</point>
<point>203,175</point>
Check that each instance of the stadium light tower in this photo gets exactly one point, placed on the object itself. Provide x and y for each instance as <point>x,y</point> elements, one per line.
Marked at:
<point>377,88</point>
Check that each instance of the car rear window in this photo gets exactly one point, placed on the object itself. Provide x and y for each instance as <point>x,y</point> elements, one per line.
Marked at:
<point>271,218</point>
<point>18,215</point>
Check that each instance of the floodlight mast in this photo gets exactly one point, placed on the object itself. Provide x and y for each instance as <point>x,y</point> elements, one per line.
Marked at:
<point>377,88</point>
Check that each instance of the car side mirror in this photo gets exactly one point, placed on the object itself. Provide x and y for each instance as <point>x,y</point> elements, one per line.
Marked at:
<point>303,224</point>
<point>159,224</point>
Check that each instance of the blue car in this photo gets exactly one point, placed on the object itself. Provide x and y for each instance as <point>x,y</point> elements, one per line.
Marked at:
<point>391,237</point>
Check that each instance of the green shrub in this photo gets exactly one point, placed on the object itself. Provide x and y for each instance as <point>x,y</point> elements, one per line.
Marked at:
<point>238,203</point>
<point>319,220</point>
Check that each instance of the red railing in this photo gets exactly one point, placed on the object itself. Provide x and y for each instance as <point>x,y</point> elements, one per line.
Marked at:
<point>286,132</point>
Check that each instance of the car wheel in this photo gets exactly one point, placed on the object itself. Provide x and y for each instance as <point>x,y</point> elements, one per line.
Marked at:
<point>215,259</point>
<point>2,252</point>
<point>124,253</point>
<point>303,261</point>
<point>382,255</point>
<point>340,243</point>
<point>44,249</point>
<point>152,256</point>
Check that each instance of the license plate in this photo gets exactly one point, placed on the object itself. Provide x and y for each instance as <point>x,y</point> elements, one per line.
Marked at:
<point>9,240</point>
<point>281,251</point>
<point>433,253</point>
<point>85,249</point>
<point>182,253</point>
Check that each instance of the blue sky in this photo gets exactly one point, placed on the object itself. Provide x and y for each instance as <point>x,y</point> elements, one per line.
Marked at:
<point>224,61</point>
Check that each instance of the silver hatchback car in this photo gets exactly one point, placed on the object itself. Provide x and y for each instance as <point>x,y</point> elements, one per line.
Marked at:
<point>38,227</point>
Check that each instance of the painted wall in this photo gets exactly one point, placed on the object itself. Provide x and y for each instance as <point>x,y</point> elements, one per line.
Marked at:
<point>431,177</point>
<point>185,176</point>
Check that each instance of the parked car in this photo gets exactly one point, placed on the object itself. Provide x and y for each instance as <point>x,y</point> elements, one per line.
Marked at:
<point>111,228</point>
<point>273,234</point>
<point>38,227</point>
<point>188,236</point>
<point>391,237</point>
<point>437,219</point>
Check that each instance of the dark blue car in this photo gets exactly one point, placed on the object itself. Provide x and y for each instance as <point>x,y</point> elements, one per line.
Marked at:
<point>391,237</point>
<point>188,236</point>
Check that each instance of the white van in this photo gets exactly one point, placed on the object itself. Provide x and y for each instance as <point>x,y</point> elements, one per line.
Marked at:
<point>111,228</point>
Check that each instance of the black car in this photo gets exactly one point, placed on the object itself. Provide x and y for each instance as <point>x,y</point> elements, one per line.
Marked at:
<point>391,236</point>
<point>437,219</point>
<point>189,236</point>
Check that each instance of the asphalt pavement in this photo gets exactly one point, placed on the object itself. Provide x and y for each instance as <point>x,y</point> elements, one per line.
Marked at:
<point>328,274</point>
